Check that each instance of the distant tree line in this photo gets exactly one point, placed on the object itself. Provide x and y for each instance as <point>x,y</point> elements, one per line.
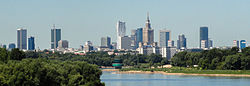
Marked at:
<point>219,59</point>
<point>18,68</point>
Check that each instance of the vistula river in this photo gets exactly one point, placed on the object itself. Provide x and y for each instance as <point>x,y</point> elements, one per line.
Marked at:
<point>112,79</point>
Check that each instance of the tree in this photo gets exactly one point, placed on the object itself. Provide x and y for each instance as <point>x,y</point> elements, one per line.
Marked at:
<point>16,54</point>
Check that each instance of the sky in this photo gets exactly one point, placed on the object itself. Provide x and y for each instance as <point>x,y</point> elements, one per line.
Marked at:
<point>89,20</point>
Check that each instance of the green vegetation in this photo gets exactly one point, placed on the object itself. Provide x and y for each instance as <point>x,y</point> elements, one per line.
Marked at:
<point>27,69</point>
<point>215,59</point>
<point>189,70</point>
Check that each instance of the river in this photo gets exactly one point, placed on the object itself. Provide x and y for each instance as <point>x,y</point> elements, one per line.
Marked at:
<point>112,79</point>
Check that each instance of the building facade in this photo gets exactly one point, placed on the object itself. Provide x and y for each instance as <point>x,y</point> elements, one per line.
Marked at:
<point>125,43</point>
<point>243,44</point>
<point>22,39</point>
<point>31,41</point>
<point>63,44</point>
<point>55,37</point>
<point>106,42</point>
<point>182,42</point>
<point>204,36</point>
<point>164,37</point>
<point>11,46</point>
<point>148,33</point>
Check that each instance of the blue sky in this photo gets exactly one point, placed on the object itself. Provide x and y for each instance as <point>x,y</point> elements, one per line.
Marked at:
<point>83,20</point>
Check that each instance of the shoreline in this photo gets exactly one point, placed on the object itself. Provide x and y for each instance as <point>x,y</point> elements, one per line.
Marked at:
<point>185,74</point>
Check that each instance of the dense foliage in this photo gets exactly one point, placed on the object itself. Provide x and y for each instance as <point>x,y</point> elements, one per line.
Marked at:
<point>15,70</point>
<point>220,59</point>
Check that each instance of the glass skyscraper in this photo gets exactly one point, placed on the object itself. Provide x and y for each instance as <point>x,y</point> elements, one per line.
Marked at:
<point>164,37</point>
<point>181,42</point>
<point>31,41</point>
<point>139,36</point>
<point>55,37</point>
<point>22,39</point>
<point>204,35</point>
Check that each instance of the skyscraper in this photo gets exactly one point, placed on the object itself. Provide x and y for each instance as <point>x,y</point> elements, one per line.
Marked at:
<point>164,37</point>
<point>181,42</point>
<point>139,36</point>
<point>31,41</point>
<point>204,35</point>
<point>121,31</point>
<point>55,37</point>
<point>148,33</point>
<point>133,39</point>
<point>22,39</point>
<point>106,42</point>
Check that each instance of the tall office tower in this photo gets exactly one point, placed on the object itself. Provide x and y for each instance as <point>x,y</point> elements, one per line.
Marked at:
<point>181,42</point>
<point>31,41</point>
<point>11,46</point>
<point>121,31</point>
<point>148,33</point>
<point>164,37</point>
<point>210,43</point>
<point>133,39</point>
<point>139,36</point>
<point>236,43</point>
<point>63,44</point>
<point>106,42</point>
<point>243,44</point>
<point>55,37</point>
<point>125,43</point>
<point>204,35</point>
<point>22,39</point>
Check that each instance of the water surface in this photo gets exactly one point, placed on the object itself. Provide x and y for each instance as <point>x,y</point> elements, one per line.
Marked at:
<point>112,79</point>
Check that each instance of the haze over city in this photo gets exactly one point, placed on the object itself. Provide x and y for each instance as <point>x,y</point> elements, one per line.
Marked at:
<point>80,21</point>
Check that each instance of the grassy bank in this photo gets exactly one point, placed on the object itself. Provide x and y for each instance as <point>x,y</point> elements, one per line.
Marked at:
<point>189,70</point>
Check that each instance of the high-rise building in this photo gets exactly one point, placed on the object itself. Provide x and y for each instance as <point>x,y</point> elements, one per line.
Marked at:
<point>133,39</point>
<point>31,41</point>
<point>11,46</point>
<point>204,35</point>
<point>148,33</point>
<point>236,43</point>
<point>164,37</point>
<point>121,31</point>
<point>139,36</point>
<point>55,37</point>
<point>182,42</point>
<point>63,44</point>
<point>125,43</point>
<point>106,42</point>
<point>22,39</point>
<point>243,44</point>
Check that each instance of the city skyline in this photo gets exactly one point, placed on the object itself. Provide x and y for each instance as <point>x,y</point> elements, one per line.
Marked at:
<point>218,21</point>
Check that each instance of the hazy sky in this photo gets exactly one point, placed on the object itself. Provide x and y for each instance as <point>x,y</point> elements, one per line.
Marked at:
<point>83,20</point>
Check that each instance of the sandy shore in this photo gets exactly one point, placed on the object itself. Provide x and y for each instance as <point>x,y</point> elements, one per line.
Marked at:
<point>110,69</point>
<point>164,73</point>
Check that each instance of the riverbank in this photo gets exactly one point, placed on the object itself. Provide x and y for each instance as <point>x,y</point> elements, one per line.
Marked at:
<point>165,73</point>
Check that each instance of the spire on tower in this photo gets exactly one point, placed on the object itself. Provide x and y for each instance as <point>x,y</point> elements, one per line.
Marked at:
<point>147,16</point>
